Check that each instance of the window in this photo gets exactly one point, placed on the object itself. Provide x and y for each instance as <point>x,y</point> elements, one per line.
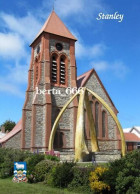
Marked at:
<point>54,70</point>
<point>36,74</point>
<point>103,124</point>
<point>96,118</point>
<point>58,70</point>
<point>62,71</point>
<point>91,105</point>
<point>61,139</point>
<point>59,46</point>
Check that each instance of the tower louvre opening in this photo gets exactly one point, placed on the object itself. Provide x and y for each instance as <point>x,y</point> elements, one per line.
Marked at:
<point>54,70</point>
<point>62,71</point>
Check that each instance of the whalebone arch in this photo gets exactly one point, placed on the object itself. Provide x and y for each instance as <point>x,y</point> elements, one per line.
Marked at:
<point>80,145</point>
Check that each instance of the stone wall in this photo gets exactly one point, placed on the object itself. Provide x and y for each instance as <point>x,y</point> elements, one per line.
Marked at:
<point>14,142</point>
<point>40,130</point>
<point>28,116</point>
<point>94,85</point>
<point>28,111</point>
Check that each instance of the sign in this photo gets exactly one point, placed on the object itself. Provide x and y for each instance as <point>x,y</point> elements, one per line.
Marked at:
<point>20,171</point>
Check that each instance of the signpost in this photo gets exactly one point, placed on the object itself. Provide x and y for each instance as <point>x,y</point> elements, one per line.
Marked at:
<point>20,172</point>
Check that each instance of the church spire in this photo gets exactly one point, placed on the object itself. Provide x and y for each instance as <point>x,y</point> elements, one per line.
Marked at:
<point>54,25</point>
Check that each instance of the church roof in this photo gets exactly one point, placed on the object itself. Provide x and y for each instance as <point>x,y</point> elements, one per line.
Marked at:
<point>54,25</point>
<point>130,137</point>
<point>82,80</point>
<point>2,134</point>
<point>14,131</point>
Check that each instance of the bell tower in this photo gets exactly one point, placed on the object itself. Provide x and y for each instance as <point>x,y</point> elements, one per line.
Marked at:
<point>52,67</point>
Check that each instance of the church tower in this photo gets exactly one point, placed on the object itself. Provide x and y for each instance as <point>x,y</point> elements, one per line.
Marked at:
<point>52,67</point>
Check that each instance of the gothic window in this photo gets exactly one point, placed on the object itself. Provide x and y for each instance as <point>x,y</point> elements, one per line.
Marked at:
<point>97,118</point>
<point>62,71</point>
<point>103,124</point>
<point>54,70</point>
<point>91,105</point>
<point>36,74</point>
<point>56,139</point>
<point>61,139</point>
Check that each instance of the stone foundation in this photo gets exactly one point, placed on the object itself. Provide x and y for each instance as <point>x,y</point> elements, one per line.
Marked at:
<point>106,156</point>
<point>97,157</point>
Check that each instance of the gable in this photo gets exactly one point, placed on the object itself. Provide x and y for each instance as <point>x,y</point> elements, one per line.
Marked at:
<point>91,80</point>
<point>135,131</point>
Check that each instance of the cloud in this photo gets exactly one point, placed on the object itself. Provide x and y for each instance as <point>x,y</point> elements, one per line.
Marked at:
<point>26,27</point>
<point>17,74</point>
<point>100,66</point>
<point>11,45</point>
<point>118,68</point>
<point>11,89</point>
<point>15,78</point>
<point>93,51</point>
<point>82,11</point>
<point>17,32</point>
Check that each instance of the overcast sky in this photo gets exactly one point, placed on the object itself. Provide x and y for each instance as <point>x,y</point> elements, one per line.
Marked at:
<point>109,46</point>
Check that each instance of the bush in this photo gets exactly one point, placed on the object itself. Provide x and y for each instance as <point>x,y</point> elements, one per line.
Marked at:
<point>32,161</point>
<point>123,174</point>
<point>111,174</point>
<point>60,175</point>
<point>96,182</point>
<point>8,157</point>
<point>42,169</point>
<point>80,180</point>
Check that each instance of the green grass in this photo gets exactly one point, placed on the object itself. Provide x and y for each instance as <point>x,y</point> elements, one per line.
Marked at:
<point>8,187</point>
<point>90,164</point>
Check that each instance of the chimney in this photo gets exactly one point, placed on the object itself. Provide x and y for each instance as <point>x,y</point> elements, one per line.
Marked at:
<point>3,129</point>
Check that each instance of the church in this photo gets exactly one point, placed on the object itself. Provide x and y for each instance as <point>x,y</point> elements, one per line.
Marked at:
<point>53,66</point>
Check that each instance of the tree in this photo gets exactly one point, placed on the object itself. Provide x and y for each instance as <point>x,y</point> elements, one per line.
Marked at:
<point>9,125</point>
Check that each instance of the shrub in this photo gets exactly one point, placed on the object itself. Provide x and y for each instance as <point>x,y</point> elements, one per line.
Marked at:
<point>8,157</point>
<point>96,183</point>
<point>123,174</point>
<point>123,183</point>
<point>111,174</point>
<point>61,175</point>
<point>80,180</point>
<point>42,169</point>
<point>32,161</point>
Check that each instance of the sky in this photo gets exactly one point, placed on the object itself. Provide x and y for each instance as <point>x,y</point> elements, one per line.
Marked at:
<point>109,46</point>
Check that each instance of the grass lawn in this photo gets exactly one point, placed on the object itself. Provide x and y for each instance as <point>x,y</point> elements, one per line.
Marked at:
<point>8,187</point>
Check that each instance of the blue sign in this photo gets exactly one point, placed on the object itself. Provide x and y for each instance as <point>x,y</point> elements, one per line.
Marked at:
<point>20,171</point>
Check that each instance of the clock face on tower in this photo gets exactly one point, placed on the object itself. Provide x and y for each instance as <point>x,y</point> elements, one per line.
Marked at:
<point>59,46</point>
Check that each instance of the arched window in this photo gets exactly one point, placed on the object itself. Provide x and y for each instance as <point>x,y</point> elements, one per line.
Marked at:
<point>36,74</point>
<point>61,139</point>
<point>103,124</point>
<point>54,70</point>
<point>91,105</point>
<point>62,71</point>
<point>97,118</point>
